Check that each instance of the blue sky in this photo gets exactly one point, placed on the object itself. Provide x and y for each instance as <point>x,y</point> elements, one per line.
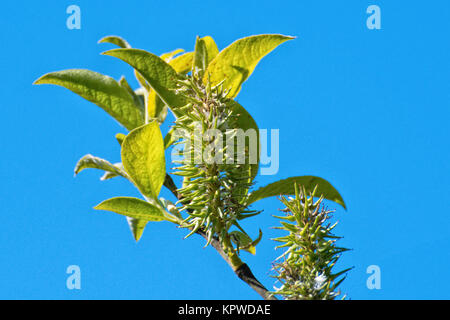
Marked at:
<point>366,109</point>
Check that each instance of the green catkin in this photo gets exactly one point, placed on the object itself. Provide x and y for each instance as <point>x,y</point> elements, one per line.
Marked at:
<point>305,269</point>
<point>214,192</point>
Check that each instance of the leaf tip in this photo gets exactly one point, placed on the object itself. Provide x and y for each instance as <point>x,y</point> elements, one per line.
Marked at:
<point>102,40</point>
<point>39,80</point>
<point>110,52</point>
<point>100,206</point>
<point>137,235</point>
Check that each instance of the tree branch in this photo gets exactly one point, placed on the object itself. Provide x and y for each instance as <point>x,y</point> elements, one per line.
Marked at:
<point>243,271</point>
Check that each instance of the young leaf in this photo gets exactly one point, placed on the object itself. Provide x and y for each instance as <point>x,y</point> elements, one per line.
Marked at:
<point>200,56</point>
<point>122,43</point>
<point>109,175</point>
<point>143,158</point>
<point>137,227</point>
<point>118,41</point>
<point>244,242</point>
<point>240,239</point>
<point>120,137</point>
<point>211,49</point>
<point>287,187</point>
<point>137,211</point>
<point>89,161</point>
<point>236,63</point>
<point>159,75</point>
<point>132,207</point>
<point>169,55</point>
<point>205,51</point>
<point>169,139</point>
<point>183,63</point>
<point>102,90</point>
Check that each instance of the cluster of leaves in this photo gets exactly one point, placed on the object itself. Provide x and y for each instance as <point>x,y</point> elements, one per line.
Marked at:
<point>305,269</point>
<point>195,86</point>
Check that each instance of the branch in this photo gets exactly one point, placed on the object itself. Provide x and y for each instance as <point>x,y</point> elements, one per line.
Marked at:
<point>243,271</point>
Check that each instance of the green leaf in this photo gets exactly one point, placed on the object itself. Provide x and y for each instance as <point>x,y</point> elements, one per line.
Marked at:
<point>122,43</point>
<point>169,139</point>
<point>287,187</point>
<point>89,161</point>
<point>118,41</point>
<point>143,158</point>
<point>241,238</point>
<point>137,227</point>
<point>205,51</point>
<point>236,63</point>
<point>137,100</point>
<point>244,242</point>
<point>183,63</point>
<point>102,90</point>
<point>159,75</point>
<point>156,107</point>
<point>120,137</point>
<point>109,175</point>
<point>169,55</point>
<point>211,49</point>
<point>137,211</point>
<point>246,122</point>
<point>133,208</point>
<point>200,56</point>
<point>143,83</point>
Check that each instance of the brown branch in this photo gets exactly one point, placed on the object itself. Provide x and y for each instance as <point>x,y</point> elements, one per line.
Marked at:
<point>243,271</point>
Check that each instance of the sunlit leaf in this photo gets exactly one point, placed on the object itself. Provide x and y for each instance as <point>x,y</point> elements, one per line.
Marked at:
<point>211,49</point>
<point>287,187</point>
<point>169,55</point>
<point>137,227</point>
<point>183,63</point>
<point>109,175</point>
<point>89,161</point>
<point>133,208</point>
<point>158,74</point>
<point>236,63</point>
<point>102,90</point>
<point>143,158</point>
<point>205,51</point>
<point>118,41</point>
<point>137,211</point>
<point>120,137</point>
